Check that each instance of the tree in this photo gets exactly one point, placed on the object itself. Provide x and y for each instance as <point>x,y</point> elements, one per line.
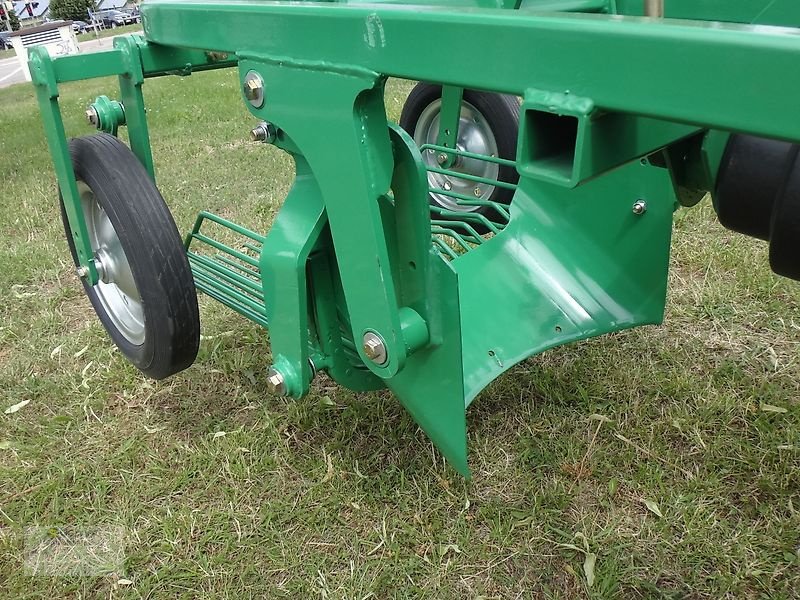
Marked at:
<point>72,10</point>
<point>12,18</point>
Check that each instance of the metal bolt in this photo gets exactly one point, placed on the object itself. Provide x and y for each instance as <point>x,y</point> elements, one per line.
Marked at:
<point>654,8</point>
<point>92,117</point>
<point>442,158</point>
<point>264,132</point>
<point>374,348</point>
<point>639,207</point>
<point>275,382</point>
<point>253,89</point>
<point>477,191</point>
<point>82,272</point>
<point>447,186</point>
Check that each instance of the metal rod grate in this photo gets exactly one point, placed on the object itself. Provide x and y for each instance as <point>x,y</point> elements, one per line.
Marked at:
<point>231,276</point>
<point>456,232</point>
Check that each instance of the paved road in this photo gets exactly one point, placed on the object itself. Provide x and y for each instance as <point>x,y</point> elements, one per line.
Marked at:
<point>11,71</point>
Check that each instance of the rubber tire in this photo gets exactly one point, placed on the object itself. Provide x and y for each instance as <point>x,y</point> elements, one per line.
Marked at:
<point>750,177</point>
<point>154,249</point>
<point>784,256</point>
<point>502,115</point>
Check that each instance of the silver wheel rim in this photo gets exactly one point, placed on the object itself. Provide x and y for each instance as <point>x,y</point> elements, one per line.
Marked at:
<point>116,290</point>
<point>474,135</point>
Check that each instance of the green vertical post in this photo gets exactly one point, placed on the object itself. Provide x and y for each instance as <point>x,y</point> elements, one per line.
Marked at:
<point>43,76</point>
<point>449,116</point>
<point>130,85</point>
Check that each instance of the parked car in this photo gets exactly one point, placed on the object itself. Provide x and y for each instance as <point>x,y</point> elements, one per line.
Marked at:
<point>134,12</point>
<point>5,40</point>
<point>115,18</point>
<point>77,26</point>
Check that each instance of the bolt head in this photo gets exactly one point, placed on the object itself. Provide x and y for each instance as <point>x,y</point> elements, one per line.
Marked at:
<point>639,207</point>
<point>442,158</point>
<point>447,186</point>
<point>82,272</point>
<point>374,348</point>
<point>275,382</point>
<point>477,191</point>
<point>253,89</point>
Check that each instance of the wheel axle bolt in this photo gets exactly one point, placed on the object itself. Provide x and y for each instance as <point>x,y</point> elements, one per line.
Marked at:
<point>442,158</point>
<point>639,207</point>
<point>264,132</point>
<point>374,348</point>
<point>276,384</point>
<point>92,117</point>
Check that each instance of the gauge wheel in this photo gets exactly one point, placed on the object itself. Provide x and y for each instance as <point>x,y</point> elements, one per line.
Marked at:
<point>145,298</point>
<point>488,125</point>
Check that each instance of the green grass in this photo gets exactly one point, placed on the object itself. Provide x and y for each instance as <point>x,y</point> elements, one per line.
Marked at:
<point>339,495</point>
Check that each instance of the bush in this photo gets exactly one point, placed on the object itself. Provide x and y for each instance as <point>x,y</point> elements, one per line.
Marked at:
<point>72,10</point>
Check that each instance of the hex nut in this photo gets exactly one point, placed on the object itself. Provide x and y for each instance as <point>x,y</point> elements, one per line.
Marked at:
<point>275,382</point>
<point>264,132</point>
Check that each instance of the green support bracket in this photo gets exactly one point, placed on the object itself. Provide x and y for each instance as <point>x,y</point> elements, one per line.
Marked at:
<point>449,117</point>
<point>284,255</point>
<point>355,121</point>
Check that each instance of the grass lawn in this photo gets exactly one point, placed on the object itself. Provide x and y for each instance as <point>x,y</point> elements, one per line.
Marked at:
<point>671,454</point>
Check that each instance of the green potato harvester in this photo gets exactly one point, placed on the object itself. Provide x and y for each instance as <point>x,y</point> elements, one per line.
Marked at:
<point>524,201</point>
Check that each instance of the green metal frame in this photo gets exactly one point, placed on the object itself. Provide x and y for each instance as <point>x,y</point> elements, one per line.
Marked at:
<point>354,249</point>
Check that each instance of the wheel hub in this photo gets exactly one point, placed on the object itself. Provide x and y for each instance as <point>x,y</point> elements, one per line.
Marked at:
<point>116,289</point>
<point>474,136</point>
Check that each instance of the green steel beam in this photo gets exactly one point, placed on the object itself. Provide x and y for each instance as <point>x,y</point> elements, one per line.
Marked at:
<point>88,66</point>
<point>626,64</point>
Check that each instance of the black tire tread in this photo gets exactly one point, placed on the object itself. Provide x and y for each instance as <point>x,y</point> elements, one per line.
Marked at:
<point>154,250</point>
